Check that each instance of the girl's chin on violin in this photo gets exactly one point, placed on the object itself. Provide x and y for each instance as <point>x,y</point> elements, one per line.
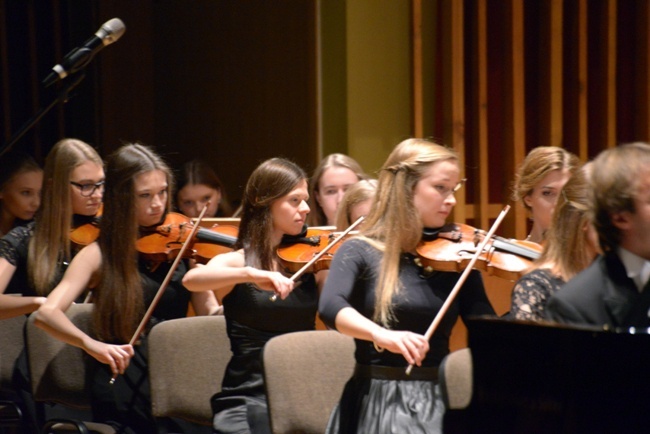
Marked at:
<point>151,219</point>
<point>437,220</point>
<point>297,227</point>
<point>92,208</point>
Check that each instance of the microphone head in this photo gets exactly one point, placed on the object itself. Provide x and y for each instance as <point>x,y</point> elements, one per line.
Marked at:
<point>111,31</point>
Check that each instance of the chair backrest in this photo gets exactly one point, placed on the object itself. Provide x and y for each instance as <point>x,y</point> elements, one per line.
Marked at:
<point>305,373</point>
<point>12,342</point>
<point>187,361</point>
<point>455,374</point>
<point>58,370</point>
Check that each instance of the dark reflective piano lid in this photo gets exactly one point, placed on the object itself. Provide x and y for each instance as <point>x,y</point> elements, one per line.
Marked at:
<point>543,377</point>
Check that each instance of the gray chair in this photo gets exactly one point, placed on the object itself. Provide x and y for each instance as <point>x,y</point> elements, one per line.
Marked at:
<point>455,374</point>
<point>11,343</point>
<point>305,373</point>
<point>58,373</point>
<point>187,361</point>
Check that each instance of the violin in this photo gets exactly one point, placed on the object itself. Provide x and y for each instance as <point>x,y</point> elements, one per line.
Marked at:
<point>479,251</point>
<point>309,257</point>
<point>163,242</point>
<point>86,233</point>
<point>297,250</point>
<point>451,247</point>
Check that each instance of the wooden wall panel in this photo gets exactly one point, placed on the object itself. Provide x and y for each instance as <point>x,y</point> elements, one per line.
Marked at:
<point>453,93</point>
<point>574,74</point>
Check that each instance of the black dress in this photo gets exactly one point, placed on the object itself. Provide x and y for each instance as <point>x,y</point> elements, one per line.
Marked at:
<point>127,403</point>
<point>379,398</point>
<point>14,248</point>
<point>252,319</point>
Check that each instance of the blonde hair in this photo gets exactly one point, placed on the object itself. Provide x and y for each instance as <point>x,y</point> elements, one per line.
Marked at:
<point>538,163</point>
<point>358,193</point>
<point>393,224</point>
<point>565,250</point>
<point>51,241</point>
<point>316,216</point>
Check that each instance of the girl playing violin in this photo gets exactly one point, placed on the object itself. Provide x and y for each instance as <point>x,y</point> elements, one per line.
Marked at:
<point>274,205</point>
<point>136,197</point>
<point>34,257</point>
<point>377,293</point>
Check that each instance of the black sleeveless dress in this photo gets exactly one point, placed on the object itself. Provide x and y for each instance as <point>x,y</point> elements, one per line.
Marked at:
<point>252,319</point>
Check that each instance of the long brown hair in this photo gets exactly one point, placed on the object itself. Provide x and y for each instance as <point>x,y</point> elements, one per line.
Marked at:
<point>393,224</point>
<point>118,297</point>
<point>270,181</point>
<point>51,241</point>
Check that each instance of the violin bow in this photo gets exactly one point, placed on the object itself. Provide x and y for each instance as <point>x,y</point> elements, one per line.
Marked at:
<point>320,254</point>
<point>454,292</point>
<point>163,285</point>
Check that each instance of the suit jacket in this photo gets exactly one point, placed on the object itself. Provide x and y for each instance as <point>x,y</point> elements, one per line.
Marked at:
<point>601,295</point>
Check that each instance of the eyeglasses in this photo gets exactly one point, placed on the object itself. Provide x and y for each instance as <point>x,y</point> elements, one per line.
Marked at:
<point>87,190</point>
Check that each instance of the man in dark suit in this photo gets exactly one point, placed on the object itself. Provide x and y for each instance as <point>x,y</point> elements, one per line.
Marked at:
<point>614,291</point>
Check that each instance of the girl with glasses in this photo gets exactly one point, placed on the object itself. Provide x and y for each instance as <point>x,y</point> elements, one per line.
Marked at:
<point>136,199</point>
<point>34,257</point>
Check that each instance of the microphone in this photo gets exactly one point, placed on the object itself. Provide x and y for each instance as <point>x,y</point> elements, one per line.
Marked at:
<point>110,31</point>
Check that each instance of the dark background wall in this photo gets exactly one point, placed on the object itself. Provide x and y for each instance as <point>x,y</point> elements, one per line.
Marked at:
<point>238,81</point>
<point>230,82</point>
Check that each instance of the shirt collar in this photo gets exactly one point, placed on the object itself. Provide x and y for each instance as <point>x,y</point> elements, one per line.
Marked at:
<point>637,268</point>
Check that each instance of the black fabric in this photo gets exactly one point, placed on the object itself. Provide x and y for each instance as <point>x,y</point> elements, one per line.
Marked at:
<point>391,373</point>
<point>373,405</point>
<point>351,283</point>
<point>252,319</point>
<point>13,248</point>
<point>601,295</point>
<point>127,403</point>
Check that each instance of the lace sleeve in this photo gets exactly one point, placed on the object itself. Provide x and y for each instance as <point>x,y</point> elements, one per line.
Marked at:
<point>14,244</point>
<point>531,293</point>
